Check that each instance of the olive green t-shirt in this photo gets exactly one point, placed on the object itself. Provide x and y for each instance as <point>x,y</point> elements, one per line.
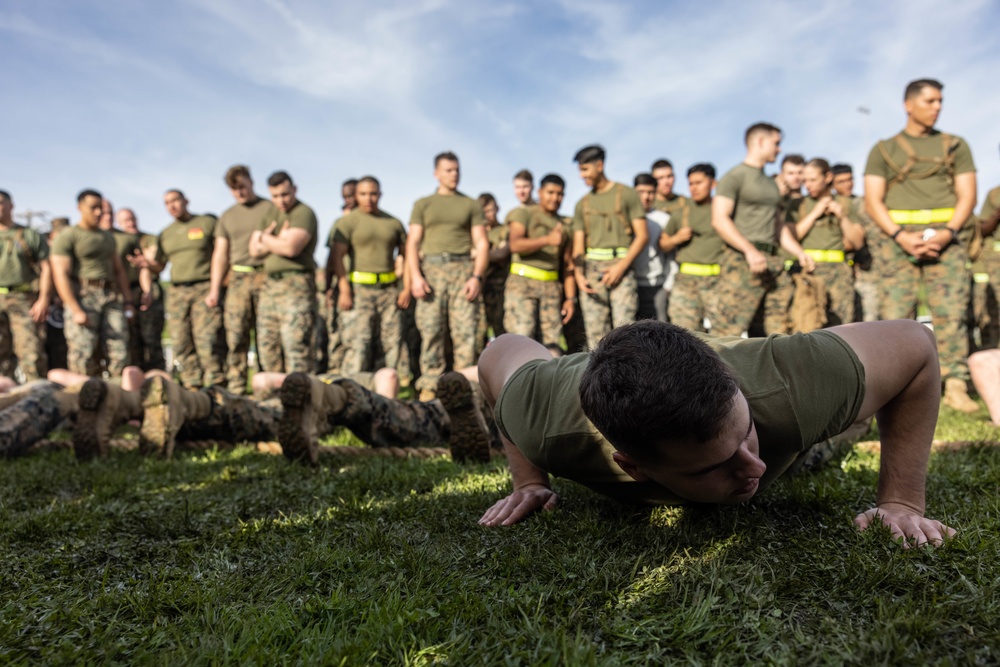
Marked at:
<point>497,236</point>
<point>705,246</point>
<point>757,199</point>
<point>989,259</point>
<point>20,248</point>
<point>919,191</point>
<point>826,233</point>
<point>299,217</point>
<point>188,247</point>
<point>125,245</point>
<point>606,218</point>
<point>237,224</point>
<point>447,221</point>
<point>671,206</point>
<point>92,252</point>
<point>537,222</point>
<point>802,389</point>
<point>371,238</point>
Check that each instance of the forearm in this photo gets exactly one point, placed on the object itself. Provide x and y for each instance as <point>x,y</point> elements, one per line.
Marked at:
<point>481,260</point>
<point>146,280</point>
<point>727,231</point>
<point>219,266</point>
<point>522,472</point>
<point>64,288</point>
<point>788,241</point>
<point>45,282</point>
<point>525,246</point>
<point>640,240</point>
<point>668,243</point>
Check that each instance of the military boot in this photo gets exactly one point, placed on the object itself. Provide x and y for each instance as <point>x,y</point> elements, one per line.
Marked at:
<point>469,439</point>
<point>427,395</point>
<point>306,402</point>
<point>956,396</point>
<point>166,406</point>
<point>103,407</point>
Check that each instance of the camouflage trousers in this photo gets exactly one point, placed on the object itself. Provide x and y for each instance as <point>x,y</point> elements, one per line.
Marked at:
<point>106,328</point>
<point>985,311</point>
<point>869,290</point>
<point>946,285</point>
<point>234,419</point>
<point>374,308</point>
<point>494,289</point>
<point>27,338</point>
<point>607,308</point>
<point>194,331</point>
<point>146,333</point>
<point>336,341</point>
<point>446,310</point>
<point>692,300</point>
<point>741,293</point>
<point>240,318</point>
<point>385,422</point>
<point>29,420</point>
<point>839,280</point>
<point>534,309</point>
<point>286,324</point>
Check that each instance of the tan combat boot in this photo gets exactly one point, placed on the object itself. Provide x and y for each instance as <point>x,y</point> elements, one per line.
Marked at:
<point>166,406</point>
<point>103,406</point>
<point>427,395</point>
<point>956,396</point>
<point>469,440</point>
<point>306,402</point>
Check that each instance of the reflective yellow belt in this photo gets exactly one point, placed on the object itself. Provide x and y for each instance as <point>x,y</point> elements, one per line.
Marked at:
<point>981,278</point>
<point>532,272</point>
<point>996,246</point>
<point>365,278</point>
<point>825,255</point>
<point>690,269</point>
<point>243,268</point>
<point>925,216</point>
<point>601,254</point>
<point>26,287</point>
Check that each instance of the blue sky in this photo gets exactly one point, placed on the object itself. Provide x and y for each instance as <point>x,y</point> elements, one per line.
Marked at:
<point>134,98</point>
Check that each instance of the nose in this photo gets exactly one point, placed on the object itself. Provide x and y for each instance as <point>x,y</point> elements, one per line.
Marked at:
<point>751,465</point>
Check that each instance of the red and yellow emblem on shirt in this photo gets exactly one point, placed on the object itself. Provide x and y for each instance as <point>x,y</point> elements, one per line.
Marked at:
<point>195,234</point>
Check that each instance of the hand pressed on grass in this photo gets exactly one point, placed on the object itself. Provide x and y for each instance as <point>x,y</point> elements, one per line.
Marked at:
<point>519,505</point>
<point>906,525</point>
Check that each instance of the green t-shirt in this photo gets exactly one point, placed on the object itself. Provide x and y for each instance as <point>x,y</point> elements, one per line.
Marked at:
<point>920,191</point>
<point>671,206</point>
<point>188,247</point>
<point>989,259</point>
<point>20,248</point>
<point>826,233</point>
<point>606,218</point>
<point>802,389</point>
<point>497,236</point>
<point>299,217</point>
<point>757,199</point>
<point>371,238</point>
<point>238,223</point>
<point>705,246</point>
<point>91,250</point>
<point>447,221</point>
<point>537,222</point>
<point>125,245</point>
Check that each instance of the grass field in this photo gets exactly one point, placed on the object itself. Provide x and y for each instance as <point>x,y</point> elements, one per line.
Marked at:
<point>238,557</point>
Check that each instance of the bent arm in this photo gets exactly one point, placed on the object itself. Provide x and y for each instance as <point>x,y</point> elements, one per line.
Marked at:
<point>725,227</point>
<point>289,243</point>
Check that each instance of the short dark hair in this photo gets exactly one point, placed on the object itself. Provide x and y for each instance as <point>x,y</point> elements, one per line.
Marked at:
<point>57,224</point>
<point>486,198</point>
<point>88,193</point>
<point>5,195</point>
<point>353,182</point>
<point>235,172</point>
<point>364,179</point>
<point>524,175</point>
<point>706,168</point>
<point>660,164</point>
<point>841,168</point>
<point>177,191</point>
<point>588,154</point>
<point>279,177</point>
<point>552,179</point>
<point>650,381</point>
<point>447,155</point>
<point>644,179</point>
<point>914,88</point>
<point>820,163</point>
<point>759,128</point>
<point>793,158</point>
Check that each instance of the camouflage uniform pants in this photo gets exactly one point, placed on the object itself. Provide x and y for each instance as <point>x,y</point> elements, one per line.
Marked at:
<point>371,303</point>
<point>446,310</point>
<point>534,309</point>
<point>336,343</point>
<point>146,333</point>
<point>8,360</point>
<point>839,280</point>
<point>692,300</point>
<point>985,311</point>
<point>946,284</point>
<point>240,318</point>
<point>194,329</point>
<point>29,420</point>
<point>286,324</point>
<point>384,422</point>
<point>234,419</point>
<point>27,337</point>
<point>868,288</point>
<point>493,317</point>
<point>106,326</point>
<point>607,308</point>
<point>740,293</point>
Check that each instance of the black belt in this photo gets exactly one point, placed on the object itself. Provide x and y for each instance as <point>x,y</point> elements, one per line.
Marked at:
<point>189,283</point>
<point>446,258</point>
<point>768,248</point>
<point>278,275</point>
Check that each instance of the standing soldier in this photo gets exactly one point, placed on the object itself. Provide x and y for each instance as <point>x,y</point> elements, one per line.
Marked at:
<point>652,266</point>
<point>496,271</point>
<point>371,289</point>
<point>609,232</point>
<point>866,282</point>
<point>93,287</point>
<point>187,244</point>
<point>745,213</point>
<point>146,328</point>
<point>445,279</point>
<point>231,255</point>
<point>667,200</point>
<point>986,276</point>
<point>336,345</point>
<point>540,240</point>
<point>920,189</point>
<point>286,322</point>
<point>777,303</point>
<point>24,306</point>
<point>55,336</point>
<point>699,250</point>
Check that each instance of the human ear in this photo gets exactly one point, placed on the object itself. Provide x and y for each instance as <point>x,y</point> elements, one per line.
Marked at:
<point>631,468</point>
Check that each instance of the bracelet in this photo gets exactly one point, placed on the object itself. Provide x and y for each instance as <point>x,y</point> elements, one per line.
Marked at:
<point>479,278</point>
<point>898,232</point>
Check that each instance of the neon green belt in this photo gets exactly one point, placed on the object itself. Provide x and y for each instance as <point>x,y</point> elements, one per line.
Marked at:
<point>533,272</point>
<point>602,254</point>
<point>26,287</point>
<point>981,278</point>
<point>830,256</point>
<point>243,268</point>
<point>925,216</point>
<point>690,269</point>
<point>365,278</point>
